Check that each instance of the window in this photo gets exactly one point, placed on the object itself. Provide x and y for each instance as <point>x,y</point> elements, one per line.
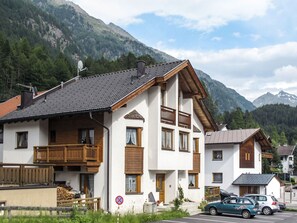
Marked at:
<point>133,183</point>
<point>22,139</point>
<point>53,136</point>
<point>133,136</point>
<point>193,180</point>
<point>196,145</point>
<point>247,156</point>
<point>167,139</point>
<point>290,158</point>
<point>86,136</point>
<point>217,177</point>
<point>183,141</point>
<point>217,155</point>
<point>1,134</point>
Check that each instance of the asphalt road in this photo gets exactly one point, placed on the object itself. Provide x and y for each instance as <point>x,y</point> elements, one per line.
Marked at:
<point>283,217</point>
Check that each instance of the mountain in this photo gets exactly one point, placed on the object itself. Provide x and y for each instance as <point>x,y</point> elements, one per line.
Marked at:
<point>225,98</point>
<point>280,98</point>
<point>63,26</point>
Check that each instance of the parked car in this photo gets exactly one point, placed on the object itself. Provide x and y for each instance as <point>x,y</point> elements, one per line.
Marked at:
<point>244,206</point>
<point>282,205</point>
<point>224,194</point>
<point>267,203</point>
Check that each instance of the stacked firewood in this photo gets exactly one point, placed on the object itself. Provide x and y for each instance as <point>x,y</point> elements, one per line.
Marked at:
<point>64,194</point>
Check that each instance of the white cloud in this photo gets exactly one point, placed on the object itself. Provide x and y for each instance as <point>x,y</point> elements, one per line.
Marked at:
<point>236,34</point>
<point>250,71</point>
<point>193,14</point>
<point>216,38</point>
<point>255,37</point>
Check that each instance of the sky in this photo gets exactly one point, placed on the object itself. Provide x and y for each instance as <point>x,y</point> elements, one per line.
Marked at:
<point>248,45</point>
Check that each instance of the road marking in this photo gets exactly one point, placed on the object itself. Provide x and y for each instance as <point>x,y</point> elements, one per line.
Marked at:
<point>174,221</point>
<point>206,219</point>
<point>256,219</point>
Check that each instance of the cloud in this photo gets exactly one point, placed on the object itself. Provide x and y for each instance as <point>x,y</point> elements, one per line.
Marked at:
<point>250,71</point>
<point>216,39</point>
<point>236,34</point>
<point>192,14</point>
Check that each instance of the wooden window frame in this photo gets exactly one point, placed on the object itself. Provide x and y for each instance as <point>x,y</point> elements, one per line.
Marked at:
<point>18,135</point>
<point>213,178</point>
<point>87,135</point>
<point>215,157</point>
<point>138,184</point>
<point>196,178</point>
<point>183,133</point>
<point>171,132</point>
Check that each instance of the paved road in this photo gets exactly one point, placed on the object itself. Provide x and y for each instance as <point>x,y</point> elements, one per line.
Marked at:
<point>283,217</point>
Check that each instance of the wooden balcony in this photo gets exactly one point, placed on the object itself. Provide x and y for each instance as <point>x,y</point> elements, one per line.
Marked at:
<point>168,115</point>
<point>267,155</point>
<point>23,175</point>
<point>69,155</point>
<point>184,119</point>
<point>133,160</point>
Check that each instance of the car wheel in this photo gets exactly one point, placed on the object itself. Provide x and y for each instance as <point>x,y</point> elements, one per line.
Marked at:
<point>213,211</point>
<point>267,211</point>
<point>246,214</point>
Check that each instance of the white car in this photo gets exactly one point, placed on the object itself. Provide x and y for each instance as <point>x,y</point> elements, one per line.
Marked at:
<point>267,203</point>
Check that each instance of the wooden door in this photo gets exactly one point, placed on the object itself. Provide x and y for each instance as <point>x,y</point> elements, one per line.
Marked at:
<point>160,186</point>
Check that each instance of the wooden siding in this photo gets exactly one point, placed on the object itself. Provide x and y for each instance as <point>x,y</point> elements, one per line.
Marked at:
<point>67,130</point>
<point>26,175</point>
<point>196,163</point>
<point>247,154</point>
<point>133,160</point>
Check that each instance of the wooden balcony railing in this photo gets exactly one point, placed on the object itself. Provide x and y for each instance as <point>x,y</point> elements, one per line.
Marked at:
<point>26,175</point>
<point>66,154</point>
<point>168,115</point>
<point>267,155</point>
<point>133,160</point>
<point>184,119</point>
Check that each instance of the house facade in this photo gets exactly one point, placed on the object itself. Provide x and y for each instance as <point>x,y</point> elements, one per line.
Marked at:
<point>231,153</point>
<point>129,133</point>
<point>286,154</point>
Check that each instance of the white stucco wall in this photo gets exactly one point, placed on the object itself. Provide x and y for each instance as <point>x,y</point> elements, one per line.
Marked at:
<point>37,135</point>
<point>286,162</point>
<point>274,188</point>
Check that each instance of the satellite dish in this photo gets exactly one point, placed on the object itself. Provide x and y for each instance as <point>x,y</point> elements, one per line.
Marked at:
<point>80,65</point>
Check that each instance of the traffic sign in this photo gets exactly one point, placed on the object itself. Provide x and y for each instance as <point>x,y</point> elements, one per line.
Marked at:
<point>119,200</point>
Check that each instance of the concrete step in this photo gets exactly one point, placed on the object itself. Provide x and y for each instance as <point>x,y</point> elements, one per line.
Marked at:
<point>191,208</point>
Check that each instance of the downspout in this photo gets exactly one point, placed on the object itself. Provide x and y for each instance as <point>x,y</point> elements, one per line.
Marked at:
<point>107,162</point>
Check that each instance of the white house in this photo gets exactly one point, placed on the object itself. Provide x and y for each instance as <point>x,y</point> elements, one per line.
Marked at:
<point>129,133</point>
<point>234,154</point>
<point>286,154</point>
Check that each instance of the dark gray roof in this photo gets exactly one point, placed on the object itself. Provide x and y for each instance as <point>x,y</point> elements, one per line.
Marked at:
<point>285,150</point>
<point>95,93</point>
<point>253,179</point>
<point>229,136</point>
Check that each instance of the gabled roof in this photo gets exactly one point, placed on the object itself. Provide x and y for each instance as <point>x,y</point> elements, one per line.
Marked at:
<point>108,92</point>
<point>285,150</point>
<point>253,179</point>
<point>237,137</point>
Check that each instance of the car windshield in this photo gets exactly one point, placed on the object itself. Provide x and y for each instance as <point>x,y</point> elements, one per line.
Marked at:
<point>273,198</point>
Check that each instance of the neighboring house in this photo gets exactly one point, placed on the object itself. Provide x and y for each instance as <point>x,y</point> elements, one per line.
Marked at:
<point>131,133</point>
<point>231,153</point>
<point>267,184</point>
<point>5,108</point>
<point>287,158</point>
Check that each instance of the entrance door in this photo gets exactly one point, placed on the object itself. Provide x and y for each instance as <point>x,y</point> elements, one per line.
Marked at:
<point>160,186</point>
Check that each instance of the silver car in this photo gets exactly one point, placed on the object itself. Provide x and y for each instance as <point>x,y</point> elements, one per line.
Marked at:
<point>267,203</point>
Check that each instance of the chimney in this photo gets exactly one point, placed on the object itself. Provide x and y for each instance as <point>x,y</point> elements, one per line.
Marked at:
<point>140,68</point>
<point>26,99</point>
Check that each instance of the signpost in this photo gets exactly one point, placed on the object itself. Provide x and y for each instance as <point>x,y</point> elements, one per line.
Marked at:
<point>119,200</point>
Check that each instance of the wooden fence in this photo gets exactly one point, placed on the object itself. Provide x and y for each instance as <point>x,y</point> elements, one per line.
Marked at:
<point>26,175</point>
<point>89,203</point>
<point>9,211</point>
<point>212,193</point>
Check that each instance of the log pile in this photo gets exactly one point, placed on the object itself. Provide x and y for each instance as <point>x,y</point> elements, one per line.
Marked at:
<point>64,194</point>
